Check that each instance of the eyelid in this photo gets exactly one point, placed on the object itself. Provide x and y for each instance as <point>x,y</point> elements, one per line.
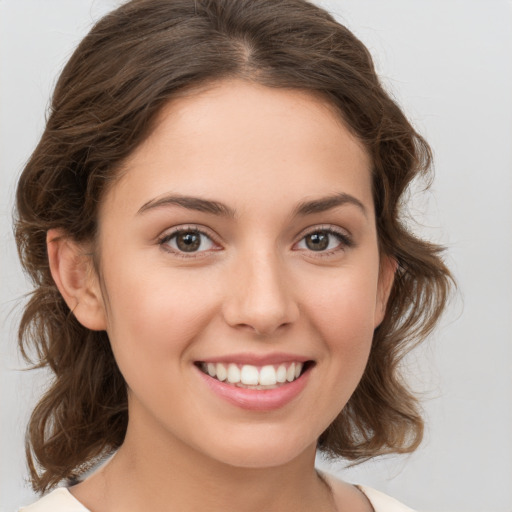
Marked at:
<point>346,239</point>
<point>183,228</point>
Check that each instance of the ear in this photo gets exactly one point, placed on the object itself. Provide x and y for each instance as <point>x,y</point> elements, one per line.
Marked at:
<point>73,272</point>
<point>387,270</point>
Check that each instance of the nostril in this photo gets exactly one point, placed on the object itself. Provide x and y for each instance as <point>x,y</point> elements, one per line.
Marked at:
<point>260,303</point>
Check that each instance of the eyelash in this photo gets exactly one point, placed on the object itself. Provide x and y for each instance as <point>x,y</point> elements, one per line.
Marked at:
<point>165,239</point>
<point>345,241</point>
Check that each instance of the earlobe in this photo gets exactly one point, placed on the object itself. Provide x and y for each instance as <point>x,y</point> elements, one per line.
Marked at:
<point>74,276</point>
<point>387,271</point>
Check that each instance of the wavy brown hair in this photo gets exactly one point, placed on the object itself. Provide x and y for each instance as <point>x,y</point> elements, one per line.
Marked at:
<point>133,62</point>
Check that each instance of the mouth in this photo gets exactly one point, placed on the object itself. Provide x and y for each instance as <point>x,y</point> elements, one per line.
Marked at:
<point>248,376</point>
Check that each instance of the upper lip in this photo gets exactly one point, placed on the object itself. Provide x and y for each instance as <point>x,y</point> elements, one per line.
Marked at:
<point>257,359</point>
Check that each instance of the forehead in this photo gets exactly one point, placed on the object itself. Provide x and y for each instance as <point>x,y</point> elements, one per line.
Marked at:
<point>247,142</point>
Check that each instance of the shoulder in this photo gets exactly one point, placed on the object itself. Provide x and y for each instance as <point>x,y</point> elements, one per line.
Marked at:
<point>59,500</point>
<point>362,498</point>
<point>382,502</point>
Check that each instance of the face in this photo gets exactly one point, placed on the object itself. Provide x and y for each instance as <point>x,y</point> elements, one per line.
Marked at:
<point>241,274</point>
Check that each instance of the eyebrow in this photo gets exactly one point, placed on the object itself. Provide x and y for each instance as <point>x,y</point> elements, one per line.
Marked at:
<point>327,203</point>
<point>190,203</point>
<point>217,208</point>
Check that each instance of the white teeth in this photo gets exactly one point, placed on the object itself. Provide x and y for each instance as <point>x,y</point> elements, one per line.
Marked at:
<point>290,374</point>
<point>281,373</point>
<point>222,373</point>
<point>249,375</point>
<point>211,369</point>
<point>268,376</point>
<point>233,374</point>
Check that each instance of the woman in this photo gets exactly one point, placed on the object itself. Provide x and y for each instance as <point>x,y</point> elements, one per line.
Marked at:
<point>222,280</point>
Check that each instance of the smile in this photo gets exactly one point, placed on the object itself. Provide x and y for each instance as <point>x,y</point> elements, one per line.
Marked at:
<point>253,377</point>
<point>268,384</point>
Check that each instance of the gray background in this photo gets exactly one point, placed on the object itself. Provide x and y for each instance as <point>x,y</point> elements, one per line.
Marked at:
<point>449,63</point>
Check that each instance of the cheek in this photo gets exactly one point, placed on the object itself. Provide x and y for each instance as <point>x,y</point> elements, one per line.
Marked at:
<point>155,315</point>
<point>153,324</point>
<point>345,304</point>
<point>342,312</point>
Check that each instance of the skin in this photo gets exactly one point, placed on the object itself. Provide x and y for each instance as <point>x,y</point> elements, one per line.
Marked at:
<point>254,287</point>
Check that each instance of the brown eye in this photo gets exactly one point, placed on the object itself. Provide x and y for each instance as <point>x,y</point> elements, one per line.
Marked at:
<point>324,240</point>
<point>188,241</point>
<point>318,241</point>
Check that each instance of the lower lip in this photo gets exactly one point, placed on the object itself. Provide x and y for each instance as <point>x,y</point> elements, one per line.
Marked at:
<point>257,399</point>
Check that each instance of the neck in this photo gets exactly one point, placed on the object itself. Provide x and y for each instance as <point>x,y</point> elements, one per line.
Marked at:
<point>157,474</point>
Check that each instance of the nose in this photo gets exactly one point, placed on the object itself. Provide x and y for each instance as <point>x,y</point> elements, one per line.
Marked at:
<point>260,296</point>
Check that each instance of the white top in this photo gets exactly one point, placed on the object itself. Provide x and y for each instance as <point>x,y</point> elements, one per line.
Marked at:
<point>61,500</point>
<point>382,502</point>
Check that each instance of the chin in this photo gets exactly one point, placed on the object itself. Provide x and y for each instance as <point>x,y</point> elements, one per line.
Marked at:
<point>266,450</point>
